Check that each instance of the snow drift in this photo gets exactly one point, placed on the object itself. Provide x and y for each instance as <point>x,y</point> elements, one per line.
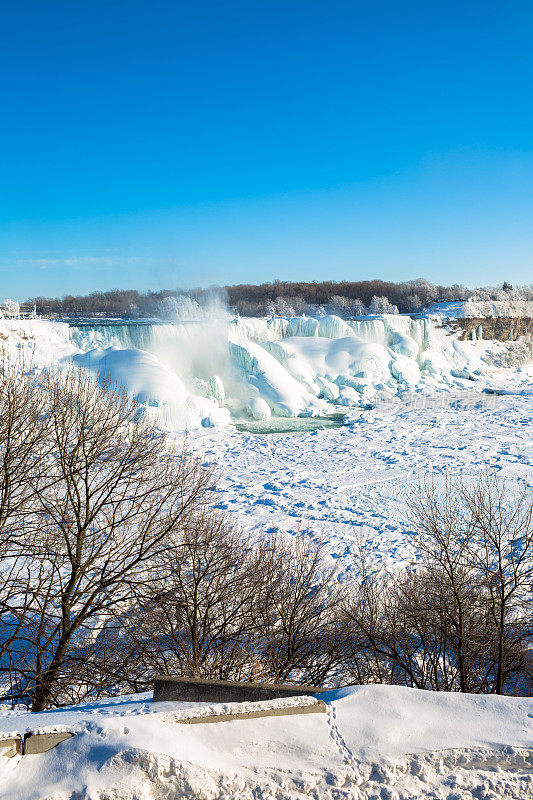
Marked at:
<point>374,742</point>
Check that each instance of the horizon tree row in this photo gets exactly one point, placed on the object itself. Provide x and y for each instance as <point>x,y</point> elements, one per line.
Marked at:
<point>257,300</point>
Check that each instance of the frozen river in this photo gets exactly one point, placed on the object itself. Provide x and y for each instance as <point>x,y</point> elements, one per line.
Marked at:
<point>348,483</point>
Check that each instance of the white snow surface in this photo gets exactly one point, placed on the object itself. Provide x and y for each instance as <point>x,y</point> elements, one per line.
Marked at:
<point>346,485</point>
<point>41,341</point>
<point>374,742</point>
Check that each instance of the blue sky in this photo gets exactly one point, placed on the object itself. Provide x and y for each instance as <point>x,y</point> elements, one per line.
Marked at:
<point>162,144</point>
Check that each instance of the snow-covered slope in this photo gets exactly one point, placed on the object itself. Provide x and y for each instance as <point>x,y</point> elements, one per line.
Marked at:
<point>374,742</point>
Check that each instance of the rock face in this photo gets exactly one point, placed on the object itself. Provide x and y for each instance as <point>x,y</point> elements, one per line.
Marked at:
<point>503,329</point>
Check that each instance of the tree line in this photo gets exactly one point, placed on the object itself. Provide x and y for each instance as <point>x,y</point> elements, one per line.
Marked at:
<point>351,297</point>
<point>281,298</point>
<point>115,564</point>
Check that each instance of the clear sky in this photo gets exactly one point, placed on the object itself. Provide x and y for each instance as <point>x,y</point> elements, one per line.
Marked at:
<point>162,143</point>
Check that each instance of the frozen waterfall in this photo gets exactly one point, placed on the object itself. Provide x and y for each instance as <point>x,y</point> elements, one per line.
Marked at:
<point>210,372</point>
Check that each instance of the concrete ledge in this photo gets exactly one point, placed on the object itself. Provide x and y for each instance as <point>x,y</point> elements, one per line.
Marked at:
<point>319,707</point>
<point>198,690</point>
<point>11,746</point>
<point>35,743</point>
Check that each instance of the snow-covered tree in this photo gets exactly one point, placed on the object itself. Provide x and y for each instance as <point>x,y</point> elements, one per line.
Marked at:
<point>414,303</point>
<point>11,309</point>
<point>339,305</point>
<point>382,305</point>
<point>281,307</point>
<point>358,308</point>
<point>300,305</point>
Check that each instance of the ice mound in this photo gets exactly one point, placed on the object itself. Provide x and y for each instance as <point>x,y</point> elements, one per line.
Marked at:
<point>333,359</point>
<point>284,395</point>
<point>144,378</point>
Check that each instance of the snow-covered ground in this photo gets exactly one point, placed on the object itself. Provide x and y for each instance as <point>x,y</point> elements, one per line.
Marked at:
<point>375,742</point>
<point>347,484</point>
<point>477,307</point>
<point>416,401</point>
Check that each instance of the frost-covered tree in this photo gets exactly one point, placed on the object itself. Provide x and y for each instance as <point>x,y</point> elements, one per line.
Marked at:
<point>340,306</point>
<point>280,307</point>
<point>11,309</point>
<point>180,308</point>
<point>414,303</point>
<point>382,305</point>
<point>358,309</point>
<point>299,305</point>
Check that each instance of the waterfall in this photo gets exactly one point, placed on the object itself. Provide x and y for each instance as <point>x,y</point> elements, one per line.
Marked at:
<point>294,366</point>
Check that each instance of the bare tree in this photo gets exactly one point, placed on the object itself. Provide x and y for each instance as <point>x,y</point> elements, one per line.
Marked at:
<point>502,554</point>
<point>24,444</point>
<point>113,498</point>
<point>297,613</point>
<point>23,454</point>
<point>443,536</point>
<point>475,541</point>
<point>230,607</point>
<point>113,565</point>
<point>196,620</point>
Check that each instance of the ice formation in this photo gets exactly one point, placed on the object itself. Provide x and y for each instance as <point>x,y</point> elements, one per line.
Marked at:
<point>210,372</point>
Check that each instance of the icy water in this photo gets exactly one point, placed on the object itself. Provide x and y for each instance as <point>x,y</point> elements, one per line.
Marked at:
<point>290,424</point>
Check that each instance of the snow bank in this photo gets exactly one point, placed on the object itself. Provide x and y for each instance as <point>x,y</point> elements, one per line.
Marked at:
<point>390,721</point>
<point>374,742</point>
<point>41,341</point>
